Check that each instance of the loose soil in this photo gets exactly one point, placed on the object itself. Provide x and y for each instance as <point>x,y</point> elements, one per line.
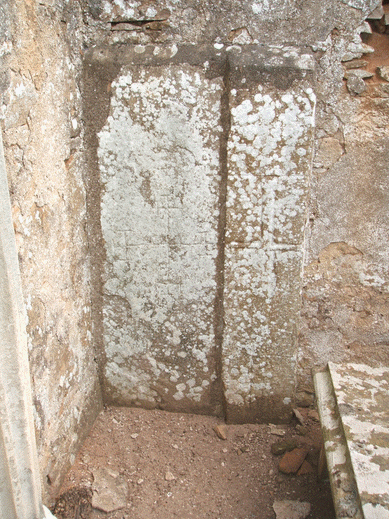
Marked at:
<point>166,465</point>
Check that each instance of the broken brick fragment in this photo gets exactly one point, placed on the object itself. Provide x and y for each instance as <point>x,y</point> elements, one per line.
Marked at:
<point>292,461</point>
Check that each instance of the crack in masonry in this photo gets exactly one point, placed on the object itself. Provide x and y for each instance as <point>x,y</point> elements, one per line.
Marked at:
<point>225,121</point>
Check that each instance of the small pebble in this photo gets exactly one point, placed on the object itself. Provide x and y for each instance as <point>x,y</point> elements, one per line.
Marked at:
<point>356,85</point>
<point>302,431</point>
<point>221,431</point>
<point>169,476</point>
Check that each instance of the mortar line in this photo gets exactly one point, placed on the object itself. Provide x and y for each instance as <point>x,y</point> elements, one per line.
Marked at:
<point>225,121</point>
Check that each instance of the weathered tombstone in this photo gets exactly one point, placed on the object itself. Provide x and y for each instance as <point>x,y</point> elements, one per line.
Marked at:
<point>203,164</point>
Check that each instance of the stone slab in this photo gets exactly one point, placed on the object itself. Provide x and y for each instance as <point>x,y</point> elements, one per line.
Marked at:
<point>362,394</point>
<point>269,160</point>
<point>201,193</point>
<point>159,165</point>
<point>342,480</point>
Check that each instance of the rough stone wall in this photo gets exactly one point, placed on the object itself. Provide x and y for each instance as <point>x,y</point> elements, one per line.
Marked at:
<point>41,123</point>
<point>281,22</point>
<point>262,256</point>
<point>207,185</point>
<point>345,296</point>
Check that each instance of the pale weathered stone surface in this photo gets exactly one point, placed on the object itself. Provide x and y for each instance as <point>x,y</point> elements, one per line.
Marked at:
<point>110,490</point>
<point>57,200</point>
<point>269,153</point>
<point>278,21</point>
<point>377,14</point>
<point>356,85</point>
<point>362,396</point>
<point>20,488</point>
<point>288,509</point>
<point>159,163</point>
<point>383,72</point>
<point>344,490</point>
<point>359,73</point>
<point>163,175</point>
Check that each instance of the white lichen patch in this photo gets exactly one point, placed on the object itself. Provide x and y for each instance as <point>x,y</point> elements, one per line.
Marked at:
<point>269,150</point>
<point>159,165</point>
<point>267,8</point>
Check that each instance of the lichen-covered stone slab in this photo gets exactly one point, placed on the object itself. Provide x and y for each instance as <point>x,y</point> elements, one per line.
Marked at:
<point>342,480</point>
<point>269,155</point>
<point>362,395</point>
<point>159,165</point>
<point>203,164</point>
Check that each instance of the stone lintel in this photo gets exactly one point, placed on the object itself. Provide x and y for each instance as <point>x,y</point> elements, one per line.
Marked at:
<point>264,61</point>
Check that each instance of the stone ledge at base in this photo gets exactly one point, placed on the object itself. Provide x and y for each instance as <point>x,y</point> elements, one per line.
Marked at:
<point>353,405</point>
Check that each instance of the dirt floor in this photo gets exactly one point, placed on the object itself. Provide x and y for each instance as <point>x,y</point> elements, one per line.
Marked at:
<point>139,464</point>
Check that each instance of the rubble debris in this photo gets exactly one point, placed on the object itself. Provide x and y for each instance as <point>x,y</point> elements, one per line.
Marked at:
<point>301,430</point>
<point>313,415</point>
<point>283,446</point>
<point>356,85</point>
<point>299,416</point>
<point>277,431</point>
<point>292,460</point>
<point>383,72</point>
<point>306,468</point>
<point>221,431</point>
<point>288,509</point>
<point>109,490</point>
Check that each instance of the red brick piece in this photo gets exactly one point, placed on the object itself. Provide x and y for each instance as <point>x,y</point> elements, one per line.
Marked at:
<point>292,461</point>
<point>306,468</point>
